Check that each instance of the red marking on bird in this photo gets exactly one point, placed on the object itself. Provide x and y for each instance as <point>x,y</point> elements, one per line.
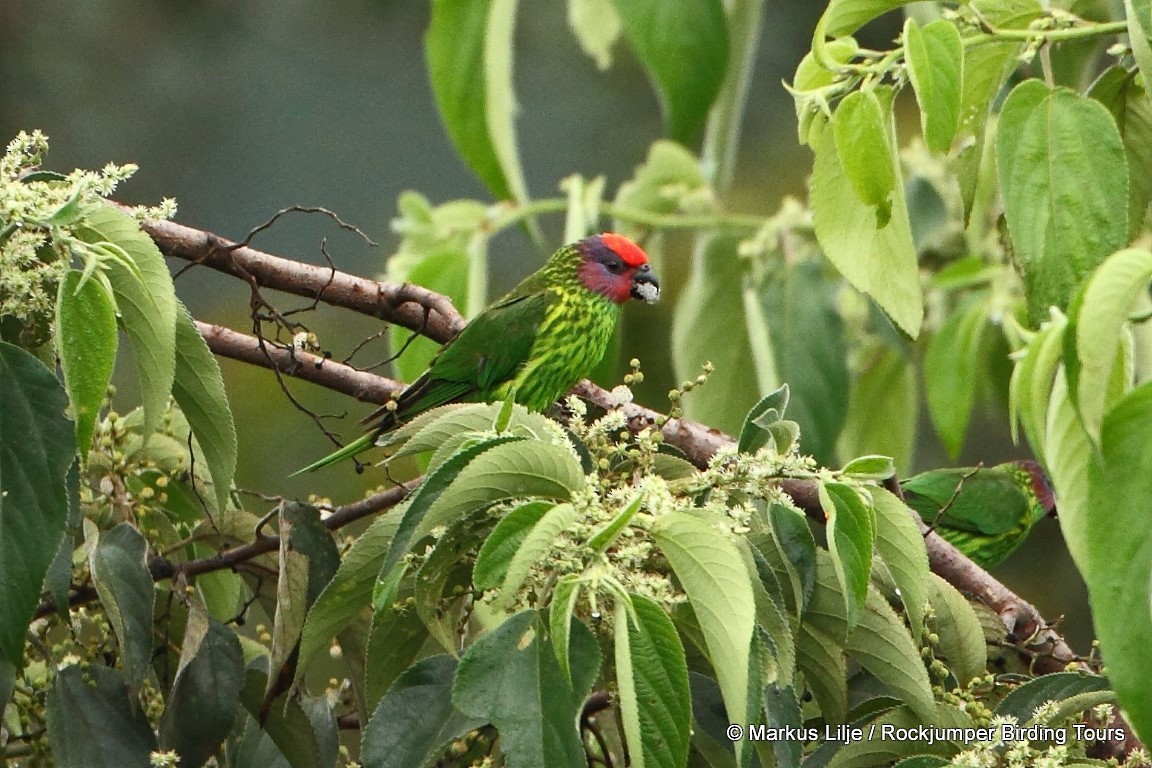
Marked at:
<point>632,254</point>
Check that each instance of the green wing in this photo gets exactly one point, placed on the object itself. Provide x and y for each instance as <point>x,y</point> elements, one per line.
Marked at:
<point>487,353</point>
<point>989,501</point>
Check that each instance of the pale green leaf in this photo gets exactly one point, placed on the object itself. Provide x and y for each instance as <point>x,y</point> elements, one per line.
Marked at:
<point>935,57</point>
<point>877,260</point>
<point>538,541</point>
<point>1101,314</point>
<point>883,751</point>
<point>86,341</point>
<point>1139,16</point>
<point>882,409</point>
<point>709,567</point>
<point>560,610</point>
<point>596,26</point>
<point>502,543</point>
<point>1128,101</point>
<point>843,17</point>
<point>851,535</point>
<point>867,156</point>
<point>961,637</point>
<point>900,545</point>
<point>199,391</point>
<point>821,660</point>
<point>146,301</point>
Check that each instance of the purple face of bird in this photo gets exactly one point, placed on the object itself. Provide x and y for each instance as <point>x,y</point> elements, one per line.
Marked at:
<point>617,269</point>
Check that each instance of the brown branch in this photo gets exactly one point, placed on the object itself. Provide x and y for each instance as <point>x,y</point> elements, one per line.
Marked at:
<point>365,387</point>
<point>162,568</point>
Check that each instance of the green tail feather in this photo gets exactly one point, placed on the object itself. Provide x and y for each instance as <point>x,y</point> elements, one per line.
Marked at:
<point>362,443</point>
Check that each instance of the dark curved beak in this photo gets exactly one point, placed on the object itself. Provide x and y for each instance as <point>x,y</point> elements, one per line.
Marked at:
<point>645,285</point>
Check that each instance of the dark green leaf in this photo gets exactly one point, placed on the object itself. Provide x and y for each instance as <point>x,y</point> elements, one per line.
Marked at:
<point>120,572</point>
<point>415,719</point>
<point>1064,175</point>
<point>205,696</point>
<point>147,305</point>
<point>1022,702</point>
<point>447,566</point>
<point>286,722</point>
<point>1139,16</point>
<point>794,537</point>
<point>86,340</point>
<point>394,643</point>
<point>782,710</point>
<point>509,677</point>
<point>821,660</point>
<point>800,308</point>
<point>469,54</point>
<point>59,576</point>
<point>655,701</point>
<point>961,636</point>
<point>684,48</point>
<point>710,325</point>
<point>199,391</point>
<point>39,446</point>
<point>900,545</point>
<point>93,721</point>
<point>770,408</point>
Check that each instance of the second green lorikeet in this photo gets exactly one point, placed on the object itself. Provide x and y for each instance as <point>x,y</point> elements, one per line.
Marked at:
<point>985,512</point>
<point>532,344</point>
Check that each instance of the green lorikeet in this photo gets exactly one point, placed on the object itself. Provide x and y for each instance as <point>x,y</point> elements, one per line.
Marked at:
<point>986,513</point>
<point>534,343</point>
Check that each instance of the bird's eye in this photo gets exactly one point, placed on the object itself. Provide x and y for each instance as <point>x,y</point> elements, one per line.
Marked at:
<point>614,266</point>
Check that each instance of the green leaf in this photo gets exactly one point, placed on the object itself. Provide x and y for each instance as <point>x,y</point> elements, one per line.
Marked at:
<point>811,76</point>
<point>308,561</point>
<point>880,641</point>
<point>1069,452</point>
<point>877,258</point>
<point>961,636</point>
<point>607,535</point>
<point>821,660</point>
<point>508,470</point>
<point>709,567</point>
<point>509,677</point>
<point>1030,389</point>
<point>807,334</point>
<point>772,622</point>
<point>935,56</point>
<point>1022,701</point>
<point>782,710</point>
<point>851,534</point>
<point>1097,322</point>
<point>870,468</point>
<point>1139,16</point>
<point>950,370</point>
<point>596,26</point>
<point>350,590</point>
<point>205,695</point>
<point>793,536</point>
<point>664,37</point>
<point>710,326</point>
<point>469,53</point>
<point>883,409</point>
<point>394,643</point>
<point>39,446</point>
<point>560,610</point>
<point>755,434</point>
<point>843,17</point>
<point>285,721</point>
<point>501,545</point>
<point>1114,534</point>
<point>1064,175</point>
<point>538,541</point>
<point>415,719</point>
<point>655,701</point>
<point>901,546</point>
<point>669,177</point>
<point>147,305</point>
<point>881,751</point>
<point>448,558</point>
<point>86,340</point>
<point>867,156</point>
<point>120,571</point>
<point>199,391</point>
<point>94,722</point>
<point>1128,102</point>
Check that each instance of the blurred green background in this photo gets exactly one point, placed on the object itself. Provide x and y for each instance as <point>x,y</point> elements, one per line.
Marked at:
<point>241,109</point>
